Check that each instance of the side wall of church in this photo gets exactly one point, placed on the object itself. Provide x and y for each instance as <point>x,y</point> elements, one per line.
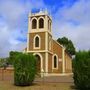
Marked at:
<point>68,63</point>
<point>57,49</point>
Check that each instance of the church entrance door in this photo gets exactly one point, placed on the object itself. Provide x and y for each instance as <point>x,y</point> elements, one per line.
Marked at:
<point>38,63</point>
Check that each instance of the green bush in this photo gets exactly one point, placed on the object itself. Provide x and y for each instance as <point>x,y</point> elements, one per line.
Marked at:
<point>24,69</point>
<point>3,62</point>
<point>81,70</point>
<point>12,56</point>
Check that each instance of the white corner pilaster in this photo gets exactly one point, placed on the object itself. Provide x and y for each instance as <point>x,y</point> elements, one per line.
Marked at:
<point>63,60</point>
<point>46,53</point>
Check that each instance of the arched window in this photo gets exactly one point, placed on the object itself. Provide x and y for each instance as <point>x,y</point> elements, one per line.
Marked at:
<point>41,23</point>
<point>34,24</point>
<point>55,61</point>
<point>37,41</point>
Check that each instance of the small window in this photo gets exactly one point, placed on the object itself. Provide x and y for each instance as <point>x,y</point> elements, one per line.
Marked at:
<point>34,24</point>
<point>55,62</point>
<point>37,42</point>
<point>41,23</point>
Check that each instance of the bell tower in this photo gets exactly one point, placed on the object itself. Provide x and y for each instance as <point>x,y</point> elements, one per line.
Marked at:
<point>39,38</point>
<point>39,31</point>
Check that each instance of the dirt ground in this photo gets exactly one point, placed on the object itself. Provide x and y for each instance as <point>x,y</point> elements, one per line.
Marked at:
<point>46,83</point>
<point>7,85</point>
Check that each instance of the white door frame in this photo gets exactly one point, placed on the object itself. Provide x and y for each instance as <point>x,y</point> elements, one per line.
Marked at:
<point>41,59</point>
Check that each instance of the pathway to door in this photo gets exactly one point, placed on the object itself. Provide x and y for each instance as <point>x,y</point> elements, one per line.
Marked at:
<point>56,79</point>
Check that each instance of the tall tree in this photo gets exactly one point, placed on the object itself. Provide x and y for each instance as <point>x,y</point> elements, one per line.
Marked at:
<point>68,44</point>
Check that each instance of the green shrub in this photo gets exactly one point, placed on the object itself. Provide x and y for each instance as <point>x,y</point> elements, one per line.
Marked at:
<point>3,62</point>
<point>24,69</point>
<point>12,56</point>
<point>81,70</point>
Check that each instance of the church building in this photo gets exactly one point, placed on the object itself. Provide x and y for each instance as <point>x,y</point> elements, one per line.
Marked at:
<point>52,59</point>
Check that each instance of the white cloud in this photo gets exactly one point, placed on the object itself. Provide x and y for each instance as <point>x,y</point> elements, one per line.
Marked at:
<point>74,23</point>
<point>13,14</point>
<point>4,37</point>
<point>8,41</point>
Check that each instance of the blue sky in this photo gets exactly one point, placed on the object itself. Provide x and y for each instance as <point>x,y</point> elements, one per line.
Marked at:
<point>71,18</point>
